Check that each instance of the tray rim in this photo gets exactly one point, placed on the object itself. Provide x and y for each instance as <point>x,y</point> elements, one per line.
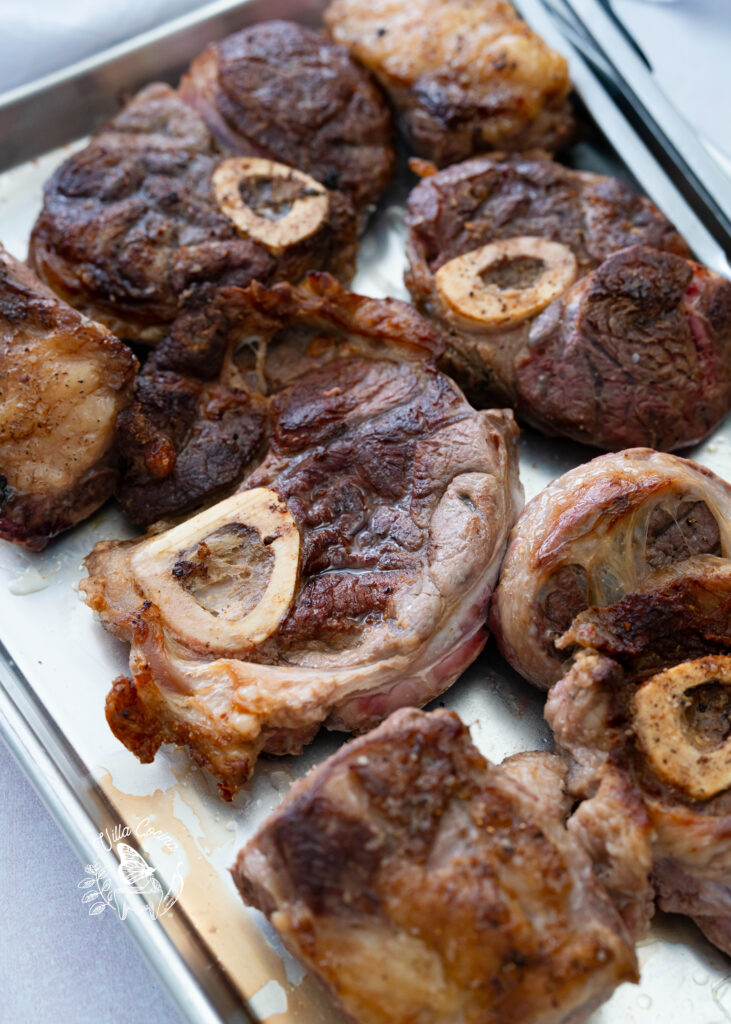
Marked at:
<point>57,773</point>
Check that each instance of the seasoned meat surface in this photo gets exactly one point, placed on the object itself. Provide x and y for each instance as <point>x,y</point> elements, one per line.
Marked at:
<point>643,348</point>
<point>378,520</point>
<point>570,297</point>
<point>420,882</point>
<point>675,763</point>
<point>283,91</point>
<point>202,403</point>
<point>63,379</point>
<point>138,217</point>
<point>595,537</point>
<point>466,76</point>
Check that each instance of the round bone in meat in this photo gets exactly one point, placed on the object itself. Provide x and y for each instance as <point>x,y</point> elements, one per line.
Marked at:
<point>163,565</point>
<point>284,207</point>
<point>677,753</point>
<point>402,496</point>
<point>504,282</point>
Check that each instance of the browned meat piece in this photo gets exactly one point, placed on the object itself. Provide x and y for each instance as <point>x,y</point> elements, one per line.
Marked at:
<point>199,419</point>
<point>152,208</point>
<point>678,613</point>
<point>466,75</point>
<point>639,352</point>
<point>594,537</point>
<point>63,379</point>
<point>555,299</point>
<point>669,740</point>
<point>195,425</point>
<point>420,882</point>
<point>283,91</point>
<point>348,576</point>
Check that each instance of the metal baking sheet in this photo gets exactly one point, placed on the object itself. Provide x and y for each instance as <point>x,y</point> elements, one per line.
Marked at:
<point>220,961</point>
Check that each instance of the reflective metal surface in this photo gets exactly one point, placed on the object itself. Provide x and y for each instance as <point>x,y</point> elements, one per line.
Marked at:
<point>213,954</point>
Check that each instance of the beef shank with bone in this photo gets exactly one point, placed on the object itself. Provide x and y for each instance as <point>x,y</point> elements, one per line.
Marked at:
<point>667,742</point>
<point>466,76</point>
<point>285,92</point>
<point>201,413</point>
<point>639,530</point>
<point>420,882</point>
<point>571,298</point>
<point>152,208</point>
<point>348,576</point>
<point>63,380</point>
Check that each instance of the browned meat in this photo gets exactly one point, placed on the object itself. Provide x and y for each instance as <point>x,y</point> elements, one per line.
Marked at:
<point>348,576</point>
<point>63,379</point>
<point>152,208</point>
<point>678,613</point>
<point>594,537</point>
<point>555,300</point>
<point>466,75</point>
<point>639,352</point>
<point>668,740</point>
<point>283,91</point>
<point>420,882</point>
<point>199,419</point>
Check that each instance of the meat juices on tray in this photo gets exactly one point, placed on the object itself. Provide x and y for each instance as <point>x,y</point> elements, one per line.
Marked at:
<point>466,76</point>
<point>420,882</point>
<point>571,298</point>
<point>200,417</point>
<point>634,530</point>
<point>283,91</point>
<point>152,207</point>
<point>349,575</point>
<point>63,379</point>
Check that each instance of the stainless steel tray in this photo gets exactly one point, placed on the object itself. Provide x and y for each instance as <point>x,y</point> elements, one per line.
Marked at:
<point>220,961</point>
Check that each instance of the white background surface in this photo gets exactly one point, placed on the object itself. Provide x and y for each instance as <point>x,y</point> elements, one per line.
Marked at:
<point>57,964</point>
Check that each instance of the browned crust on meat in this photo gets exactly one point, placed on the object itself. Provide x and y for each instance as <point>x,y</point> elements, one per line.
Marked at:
<point>409,840</point>
<point>131,223</point>
<point>58,462</point>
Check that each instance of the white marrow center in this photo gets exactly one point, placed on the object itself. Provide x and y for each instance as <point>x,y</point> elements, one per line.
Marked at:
<point>678,753</point>
<point>165,565</point>
<point>271,202</point>
<point>502,283</point>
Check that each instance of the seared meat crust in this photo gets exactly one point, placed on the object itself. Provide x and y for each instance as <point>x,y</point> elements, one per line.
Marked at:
<point>592,711</point>
<point>466,75</point>
<point>402,496</point>
<point>132,222</point>
<point>631,347</point>
<point>418,881</point>
<point>63,379</point>
<point>643,348</point>
<point>283,91</point>
<point>594,537</point>
<point>200,416</point>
